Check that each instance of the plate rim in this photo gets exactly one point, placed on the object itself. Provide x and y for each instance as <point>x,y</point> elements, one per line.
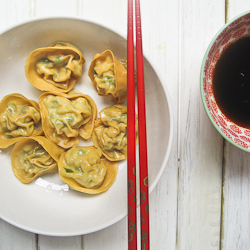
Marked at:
<point>170,111</point>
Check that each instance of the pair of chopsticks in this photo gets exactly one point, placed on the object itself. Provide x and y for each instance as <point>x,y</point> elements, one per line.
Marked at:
<point>131,130</point>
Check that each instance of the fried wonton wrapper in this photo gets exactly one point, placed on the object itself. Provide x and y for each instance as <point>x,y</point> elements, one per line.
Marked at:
<point>85,170</point>
<point>110,132</point>
<point>65,116</point>
<point>33,157</point>
<point>109,76</point>
<point>19,117</point>
<point>55,68</point>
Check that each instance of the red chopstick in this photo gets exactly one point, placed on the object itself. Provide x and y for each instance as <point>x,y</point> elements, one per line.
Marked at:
<point>131,134</point>
<point>144,201</point>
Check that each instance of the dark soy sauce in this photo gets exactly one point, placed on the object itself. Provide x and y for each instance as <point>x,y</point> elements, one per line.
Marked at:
<point>231,82</point>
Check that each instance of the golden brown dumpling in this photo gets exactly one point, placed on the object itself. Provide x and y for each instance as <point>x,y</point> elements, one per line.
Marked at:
<point>110,132</point>
<point>65,116</point>
<point>85,169</point>
<point>55,68</point>
<point>19,117</point>
<point>109,76</point>
<point>33,157</point>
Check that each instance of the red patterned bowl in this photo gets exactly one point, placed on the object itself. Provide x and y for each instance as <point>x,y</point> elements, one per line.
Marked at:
<point>237,27</point>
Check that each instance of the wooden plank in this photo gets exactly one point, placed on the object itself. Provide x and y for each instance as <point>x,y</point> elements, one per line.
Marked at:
<point>48,8</point>
<point>13,12</point>
<point>236,198</point>
<point>59,243</point>
<point>235,8</point>
<point>111,238</point>
<point>16,239</point>
<point>160,22</point>
<point>108,13</point>
<point>200,148</point>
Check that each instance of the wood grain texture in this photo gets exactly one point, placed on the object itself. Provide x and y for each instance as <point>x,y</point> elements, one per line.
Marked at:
<point>200,148</point>
<point>13,12</point>
<point>16,239</point>
<point>236,199</point>
<point>161,45</point>
<point>47,8</point>
<point>60,243</point>
<point>235,8</point>
<point>109,13</point>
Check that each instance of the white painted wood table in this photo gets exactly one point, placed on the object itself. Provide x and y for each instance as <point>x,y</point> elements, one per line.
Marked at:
<point>202,200</point>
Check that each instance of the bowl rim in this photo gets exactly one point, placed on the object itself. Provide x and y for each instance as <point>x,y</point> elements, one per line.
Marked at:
<point>202,76</point>
<point>168,100</point>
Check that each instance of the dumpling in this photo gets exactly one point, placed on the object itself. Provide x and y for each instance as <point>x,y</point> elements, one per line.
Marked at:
<point>55,68</point>
<point>65,116</point>
<point>33,157</point>
<point>19,117</point>
<point>109,76</point>
<point>85,169</point>
<point>110,132</point>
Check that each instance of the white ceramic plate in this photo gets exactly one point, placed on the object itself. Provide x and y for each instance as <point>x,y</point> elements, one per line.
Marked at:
<point>46,206</point>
